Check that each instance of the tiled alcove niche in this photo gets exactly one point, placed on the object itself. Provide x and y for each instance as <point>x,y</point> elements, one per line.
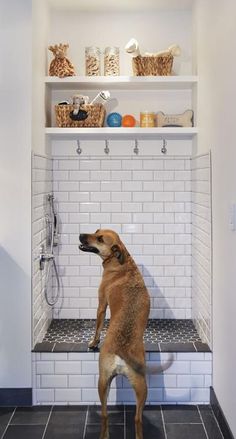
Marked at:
<point>151,200</point>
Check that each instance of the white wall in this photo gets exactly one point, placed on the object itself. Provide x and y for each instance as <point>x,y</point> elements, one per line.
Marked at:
<point>15,196</point>
<point>155,30</point>
<point>40,42</point>
<point>216,48</point>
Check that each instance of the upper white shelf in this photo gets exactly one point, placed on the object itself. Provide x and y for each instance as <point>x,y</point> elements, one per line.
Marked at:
<point>122,82</point>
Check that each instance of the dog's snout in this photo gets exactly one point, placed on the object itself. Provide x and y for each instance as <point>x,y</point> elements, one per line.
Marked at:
<point>83,238</point>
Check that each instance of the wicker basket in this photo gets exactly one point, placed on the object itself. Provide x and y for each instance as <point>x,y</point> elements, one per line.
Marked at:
<point>96,116</point>
<point>160,65</point>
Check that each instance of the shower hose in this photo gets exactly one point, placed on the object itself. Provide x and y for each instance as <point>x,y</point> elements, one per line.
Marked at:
<point>51,265</point>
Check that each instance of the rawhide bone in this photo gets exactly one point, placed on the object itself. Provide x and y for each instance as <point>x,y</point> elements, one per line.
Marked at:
<point>175,120</point>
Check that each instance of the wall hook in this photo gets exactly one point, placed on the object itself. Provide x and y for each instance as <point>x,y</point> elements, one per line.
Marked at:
<point>106,149</point>
<point>136,149</point>
<point>78,149</point>
<point>164,149</point>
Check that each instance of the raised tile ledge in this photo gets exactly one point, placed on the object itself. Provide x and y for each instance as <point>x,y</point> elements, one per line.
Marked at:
<point>193,347</point>
<point>71,378</point>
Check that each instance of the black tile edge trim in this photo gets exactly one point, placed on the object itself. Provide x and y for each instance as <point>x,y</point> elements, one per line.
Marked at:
<point>177,347</point>
<point>15,397</point>
<point>71,347</point>
<point>218,412</point>
<point>152,347</point>
<point>149,347</point>
<point>202,347</point>
<point>44,346</point>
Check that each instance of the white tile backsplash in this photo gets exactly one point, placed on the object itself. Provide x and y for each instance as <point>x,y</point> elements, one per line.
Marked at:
<point>137,198</point>
<point>201,246</point>
<point>41,186</point>
<point>161,207</point>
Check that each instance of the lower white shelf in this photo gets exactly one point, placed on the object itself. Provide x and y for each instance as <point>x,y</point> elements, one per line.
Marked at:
<point>121,133</point>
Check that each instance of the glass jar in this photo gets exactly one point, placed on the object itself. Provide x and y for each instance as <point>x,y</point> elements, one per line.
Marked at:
<point>92,61</point>
<point>147,119</point>
<point>112,61</point>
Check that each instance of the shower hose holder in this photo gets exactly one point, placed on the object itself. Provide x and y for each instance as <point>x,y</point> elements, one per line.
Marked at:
<point>43,257</point>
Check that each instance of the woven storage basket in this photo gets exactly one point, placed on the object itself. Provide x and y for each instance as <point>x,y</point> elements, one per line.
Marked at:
<point>160,65</point>
<point>96,116</point>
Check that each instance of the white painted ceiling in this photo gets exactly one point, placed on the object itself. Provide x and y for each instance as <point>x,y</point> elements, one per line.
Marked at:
<point>121,5</point>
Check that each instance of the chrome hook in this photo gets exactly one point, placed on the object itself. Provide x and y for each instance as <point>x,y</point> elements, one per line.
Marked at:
<point>106,149</point>
<point>164,149</point>
<point>136,149</point>
<point>78,150</point>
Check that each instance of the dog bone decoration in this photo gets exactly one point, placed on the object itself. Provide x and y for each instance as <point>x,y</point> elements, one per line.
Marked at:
<point>175,120</point>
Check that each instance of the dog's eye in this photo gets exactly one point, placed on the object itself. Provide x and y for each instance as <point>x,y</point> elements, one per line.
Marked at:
<point>100,239</point>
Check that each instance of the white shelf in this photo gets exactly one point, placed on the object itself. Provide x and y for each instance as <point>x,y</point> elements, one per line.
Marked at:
<point>120,133</point>
<point>122,82</point>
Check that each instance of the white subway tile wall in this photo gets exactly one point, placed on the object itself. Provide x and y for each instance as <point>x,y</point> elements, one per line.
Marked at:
<point>147,200</point>
<point>71,378</point>
<point>41,186</point>
<point>201,246</point>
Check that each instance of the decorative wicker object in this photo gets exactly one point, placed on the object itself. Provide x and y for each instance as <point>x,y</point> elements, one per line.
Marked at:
<point>96,116</point>
<point>160,65</point>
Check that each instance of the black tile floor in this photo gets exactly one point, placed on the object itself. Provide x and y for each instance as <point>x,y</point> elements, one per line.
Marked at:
<point>83,422</point>
<point>161,335</point>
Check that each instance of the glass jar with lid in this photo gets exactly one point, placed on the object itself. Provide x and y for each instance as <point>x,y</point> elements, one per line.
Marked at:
<point>92,61</point>
<point>112,61</point>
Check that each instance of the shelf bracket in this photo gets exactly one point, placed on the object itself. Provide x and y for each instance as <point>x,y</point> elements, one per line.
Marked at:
<point>106,149</point>
<point>136,149</point>
<point>164,149</point>
<point>78,149</point>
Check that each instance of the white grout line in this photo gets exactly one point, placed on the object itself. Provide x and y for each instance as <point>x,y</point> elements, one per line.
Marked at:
<point>202,422</point>
<point>163,422</point>
<point>214,416</point>
<point>125,421</point>
<point>46,426</point>
<point>185,423</point>
<point>85,422</point>
<point>8,422</point>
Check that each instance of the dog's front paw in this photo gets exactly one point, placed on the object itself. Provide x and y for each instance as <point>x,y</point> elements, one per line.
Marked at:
<point>93,344</point>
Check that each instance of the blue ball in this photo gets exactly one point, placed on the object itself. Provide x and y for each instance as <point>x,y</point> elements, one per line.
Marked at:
<point>114,120</point>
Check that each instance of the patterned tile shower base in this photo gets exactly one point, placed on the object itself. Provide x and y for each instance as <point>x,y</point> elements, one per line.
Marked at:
<point>161,335</point>
<point>158,331</point>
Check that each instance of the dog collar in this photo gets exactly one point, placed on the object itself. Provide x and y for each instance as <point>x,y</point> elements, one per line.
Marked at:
<point>108,259</point>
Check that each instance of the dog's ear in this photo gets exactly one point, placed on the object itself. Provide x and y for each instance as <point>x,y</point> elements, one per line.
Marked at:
<point>118,253</point>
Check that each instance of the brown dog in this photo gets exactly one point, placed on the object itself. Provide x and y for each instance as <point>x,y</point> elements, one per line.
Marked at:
<point>123,289</point>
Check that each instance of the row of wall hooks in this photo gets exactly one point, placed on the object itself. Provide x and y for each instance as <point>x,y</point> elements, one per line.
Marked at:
<point>135,150</point>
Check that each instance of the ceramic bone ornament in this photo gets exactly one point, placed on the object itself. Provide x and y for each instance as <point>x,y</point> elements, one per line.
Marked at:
<point>60,65</point>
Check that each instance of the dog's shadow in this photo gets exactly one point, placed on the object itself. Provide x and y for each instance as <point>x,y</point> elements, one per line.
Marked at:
<point>155,383</point>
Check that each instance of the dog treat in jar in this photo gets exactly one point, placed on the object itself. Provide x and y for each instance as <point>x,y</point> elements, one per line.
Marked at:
<point>92,61</point>
<point>112,61</point>
<point>147,119</point>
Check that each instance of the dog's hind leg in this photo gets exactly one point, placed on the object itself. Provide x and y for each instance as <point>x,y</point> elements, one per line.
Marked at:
<point>103,390</point>
<point>140,387</point>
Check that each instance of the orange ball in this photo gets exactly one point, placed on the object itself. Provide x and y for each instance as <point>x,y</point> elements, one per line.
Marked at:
<point>128,121</point>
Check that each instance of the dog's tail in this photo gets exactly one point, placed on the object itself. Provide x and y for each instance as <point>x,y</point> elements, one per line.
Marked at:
<point>149,370</point>
<point>155,369</point>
